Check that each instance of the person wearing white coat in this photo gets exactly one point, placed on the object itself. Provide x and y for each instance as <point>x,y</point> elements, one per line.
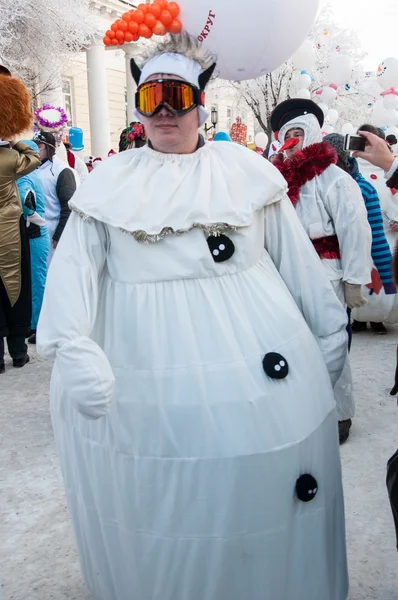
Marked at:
<point>191,395</point>
<point>330,207</point>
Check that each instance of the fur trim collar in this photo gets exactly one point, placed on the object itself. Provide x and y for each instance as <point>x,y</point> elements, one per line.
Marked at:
<point>305,165</point>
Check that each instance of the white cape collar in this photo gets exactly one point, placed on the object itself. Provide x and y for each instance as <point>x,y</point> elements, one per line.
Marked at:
<point>150,195</point>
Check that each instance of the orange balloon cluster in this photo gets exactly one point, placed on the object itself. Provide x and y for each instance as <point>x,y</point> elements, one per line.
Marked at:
<point>146,20</point>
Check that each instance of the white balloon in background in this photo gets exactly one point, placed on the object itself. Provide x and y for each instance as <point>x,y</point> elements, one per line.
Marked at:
<point>348,129</point>
<point>324,108</point>
<point>327,128</point>
<point>249,39</point>
<point>387,73</point>
<point>304,58</point>
<point>340,70</point>
<point>261,140</point>
<point>390,102</point>
<point>328,95</point>
<point>303,94</point>
<point>391,118</point>
<point>333,116</point>
<point>304,81</point>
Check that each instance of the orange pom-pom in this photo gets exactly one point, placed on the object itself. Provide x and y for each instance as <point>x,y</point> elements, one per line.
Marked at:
<point>138,16</point>
<point>165,17</point>
<point>15,114</point>
<point>159,28</point>
<point>175,26</point>
<point>174,9</point>
<point>107,41</point>
<point>133,27</point>
<point>150,20</point>
<point>155,10</point>
<point>144,31</point>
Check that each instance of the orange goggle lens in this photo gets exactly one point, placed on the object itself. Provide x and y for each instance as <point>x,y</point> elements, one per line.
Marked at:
<point>179,96</point>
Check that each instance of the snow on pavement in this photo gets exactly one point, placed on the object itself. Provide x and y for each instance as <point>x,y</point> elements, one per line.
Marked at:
<point>37,552</point>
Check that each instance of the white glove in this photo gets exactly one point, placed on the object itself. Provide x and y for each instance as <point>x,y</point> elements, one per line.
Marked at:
<point>353,295</point>
<point>86,376</point>
<point>35,219</point>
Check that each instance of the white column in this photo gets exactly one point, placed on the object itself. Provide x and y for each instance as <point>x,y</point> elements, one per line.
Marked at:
<point>98,100</point>
<point>131,86</point>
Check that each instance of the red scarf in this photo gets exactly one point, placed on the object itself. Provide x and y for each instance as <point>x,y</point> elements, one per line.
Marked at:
<point>71,159</point>
<point>305,165</point>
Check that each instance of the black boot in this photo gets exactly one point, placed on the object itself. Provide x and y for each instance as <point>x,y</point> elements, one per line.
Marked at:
<point>18,363</point>
<point>32,339</point>
<point>378,328</point>
<point>344,430</point>
<point>2,367</point>
<point>359,326</point>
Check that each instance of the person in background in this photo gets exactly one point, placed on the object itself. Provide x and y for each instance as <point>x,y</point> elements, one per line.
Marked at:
<point>222,136</point>
<point>16,160</point>
<point>60,183</point>
<point>381,253</point>
<point>31,192</point>
<point>132,136</point>
<point>330,207</point>
<point>75,162</point>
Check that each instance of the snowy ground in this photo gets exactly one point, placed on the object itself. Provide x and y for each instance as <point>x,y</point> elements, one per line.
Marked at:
<point>37,554</point>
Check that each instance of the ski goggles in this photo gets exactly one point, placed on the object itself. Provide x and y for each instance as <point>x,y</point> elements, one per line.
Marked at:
<point>179,97</point>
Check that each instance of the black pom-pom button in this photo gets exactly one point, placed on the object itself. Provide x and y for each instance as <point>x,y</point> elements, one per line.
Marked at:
<point>221,247</point>
<point>306,487</point>
<point>275,365</point>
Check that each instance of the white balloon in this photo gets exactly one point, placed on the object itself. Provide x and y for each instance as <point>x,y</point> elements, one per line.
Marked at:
<point>247,38</point>
<point>261,140</point>
<point>304,81</point>
<point>333,116</point>
<point>340,70</point>
<point>303,94</point>
<point>379,114</point>
<point>324,107</point>
<point>391,118</point>
<point>304,58</point>
<point>328,95</point>
<point>327,128</point>
<point>348,129</point>
<point>390,102</point>
<point>387,73</point>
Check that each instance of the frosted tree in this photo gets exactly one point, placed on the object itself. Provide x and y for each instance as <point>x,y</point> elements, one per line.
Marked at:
<point>34,34</point>
<point>329,40</point>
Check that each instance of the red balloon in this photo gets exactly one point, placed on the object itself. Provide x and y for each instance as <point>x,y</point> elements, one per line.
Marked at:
<point>155,10</point>
<point>110,34</point>
<point>133,27</point>
<point>165,17</point>
<point>174,8</point>
<point>120,35</point>
<point>128,37</point>
<point>114,26</point>
<point>114,42</point>
<point>107,41</point>
<point>136,37</point>
<point>162,3</point>
<point>122,25</point>
<point>138,16</point>
<point>143,8</point>
<point>159,28</point>
<point>126,17</point>
<point>175,26</point>
<point>150,20</point>
<point>145,32</point>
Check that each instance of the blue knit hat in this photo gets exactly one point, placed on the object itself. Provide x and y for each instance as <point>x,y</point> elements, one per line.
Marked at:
<point>221,136</point>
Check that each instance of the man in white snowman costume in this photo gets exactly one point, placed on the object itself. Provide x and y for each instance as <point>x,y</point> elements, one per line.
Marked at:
<point>191,395</point>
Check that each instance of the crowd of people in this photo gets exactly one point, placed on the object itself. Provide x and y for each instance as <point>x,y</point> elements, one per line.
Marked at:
<point>198,308</point>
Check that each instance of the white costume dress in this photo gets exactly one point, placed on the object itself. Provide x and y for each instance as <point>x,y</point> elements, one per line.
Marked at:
<point>210,475</point>
<point>331,204</point>
<point>381,307</point>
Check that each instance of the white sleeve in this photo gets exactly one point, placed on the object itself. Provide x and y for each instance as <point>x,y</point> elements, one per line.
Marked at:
<point>68,314</point>
<point>345,205</point>
<point>302,271</point>
<point>81,169</point>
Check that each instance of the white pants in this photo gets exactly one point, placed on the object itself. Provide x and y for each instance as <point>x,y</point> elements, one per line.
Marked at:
<point>52,225</point>
<point>343,390</point>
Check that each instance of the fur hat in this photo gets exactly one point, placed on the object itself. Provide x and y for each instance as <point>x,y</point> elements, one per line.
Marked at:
<point>15,113</point>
